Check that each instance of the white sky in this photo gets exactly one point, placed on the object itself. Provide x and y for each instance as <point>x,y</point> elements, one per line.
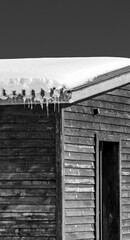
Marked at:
<point>70,72</point>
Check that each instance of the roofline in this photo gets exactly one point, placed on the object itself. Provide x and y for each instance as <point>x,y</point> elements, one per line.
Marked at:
<point>103,78</point>
<point>101,84</point>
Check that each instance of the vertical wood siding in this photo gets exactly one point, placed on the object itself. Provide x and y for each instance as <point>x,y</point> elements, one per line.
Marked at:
<point>80,126</point>
<point>27,174</point>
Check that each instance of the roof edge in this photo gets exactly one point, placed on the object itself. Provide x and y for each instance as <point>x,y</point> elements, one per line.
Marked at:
<point>103,78</point>
<point>101,84</point>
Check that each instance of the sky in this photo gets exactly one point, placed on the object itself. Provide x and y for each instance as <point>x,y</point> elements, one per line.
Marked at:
<point>41,29</point>
<point>64,28</point>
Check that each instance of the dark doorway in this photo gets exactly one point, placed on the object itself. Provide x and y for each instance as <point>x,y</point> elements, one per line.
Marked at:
<point>109,188</point>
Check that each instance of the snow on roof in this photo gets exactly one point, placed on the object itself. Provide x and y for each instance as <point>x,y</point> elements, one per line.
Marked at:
<point>70,72</point>
<point>46,73</point>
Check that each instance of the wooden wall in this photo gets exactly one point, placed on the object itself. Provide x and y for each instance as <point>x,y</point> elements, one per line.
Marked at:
<point>79,129</point>
<point>27,174</point>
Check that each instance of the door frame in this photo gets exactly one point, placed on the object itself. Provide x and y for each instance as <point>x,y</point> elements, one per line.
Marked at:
<point>106,138</point>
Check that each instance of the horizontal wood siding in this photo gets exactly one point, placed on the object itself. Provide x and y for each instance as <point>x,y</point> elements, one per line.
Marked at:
<point>80,126</point>
<point>27,174</point>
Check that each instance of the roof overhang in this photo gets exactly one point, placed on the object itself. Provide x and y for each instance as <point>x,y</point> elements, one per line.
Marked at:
<point>101,84</point>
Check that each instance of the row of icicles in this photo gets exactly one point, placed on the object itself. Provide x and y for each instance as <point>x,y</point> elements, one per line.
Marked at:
<point>55,96</point>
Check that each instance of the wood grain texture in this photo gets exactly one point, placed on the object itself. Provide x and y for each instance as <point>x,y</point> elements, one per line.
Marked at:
<point>27,174</point>
<point>80,127</point>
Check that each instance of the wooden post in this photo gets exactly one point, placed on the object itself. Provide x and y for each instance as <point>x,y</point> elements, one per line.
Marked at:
<point>59,175</point>
<point>97,187</point>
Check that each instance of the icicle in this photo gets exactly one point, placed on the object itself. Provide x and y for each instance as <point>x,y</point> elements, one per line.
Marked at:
<point>28,104</point>
<point>31,104</point>
<point>47,107</point>
<point>58,105</point>
<point>24,100</point>
<point>54,105</point>
<point>41,103</point>
<point>24,96</point>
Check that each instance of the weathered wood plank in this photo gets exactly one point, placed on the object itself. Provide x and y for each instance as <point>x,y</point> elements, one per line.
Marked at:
<point>79,140</point>
<point>79,172</point>
<point>126,236</point>
<point>32,184</point>
<point>125,157</point>
<point>27,224</point>
<point>78,188</point>
<point>48,207</point>
<point>126,150</point>
<point>27,192</point>
<point>45,159</point>
<point>126,223</point>
<point>15,167</point>
<point>50,174</point>
<point>27,151</point>
<point>126,186</point>
<point>81,212</point>
<point>79,228</point>
<point>21,117</point>
<point>126,208</point>
<point>79,148</point>
<point>126,201</point>
<point>23,233</point>
<point>125,172</point>
<point>82,125</point>
<point>77,164</point>
<point>29,238</point>
<point>79,204</point>
<point>126,230</point>
<point>27,200</point>
<point>27,232</point>
<point>28,216</point>
<point>79,235</point>
<point>78,156</point>
<point>126,143</point>
<point>79,180</point>
<point>27,143</point>
<point>125,164</point>
<point>27,135</point>
<point>7,127</point>
<point>125,194</point>
<point>78,132</point>
<point>79,196</point>
<point>79,219</point>
<point>125,179</point>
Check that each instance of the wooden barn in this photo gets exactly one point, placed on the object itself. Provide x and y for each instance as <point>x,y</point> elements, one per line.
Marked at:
<point>65,163</point>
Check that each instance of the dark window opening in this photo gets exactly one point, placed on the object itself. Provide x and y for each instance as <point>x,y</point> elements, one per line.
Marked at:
<point>109,189</point>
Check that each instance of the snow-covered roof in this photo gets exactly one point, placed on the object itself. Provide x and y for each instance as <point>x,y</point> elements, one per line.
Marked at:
<point>51,78</point>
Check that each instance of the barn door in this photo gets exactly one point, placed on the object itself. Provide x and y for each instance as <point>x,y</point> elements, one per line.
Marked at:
<point>109,190</point>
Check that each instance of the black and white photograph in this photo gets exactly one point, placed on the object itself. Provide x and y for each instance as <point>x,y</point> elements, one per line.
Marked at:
<point>64,120</point>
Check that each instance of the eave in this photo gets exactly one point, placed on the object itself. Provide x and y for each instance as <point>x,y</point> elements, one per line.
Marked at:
<point>101,84</point>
